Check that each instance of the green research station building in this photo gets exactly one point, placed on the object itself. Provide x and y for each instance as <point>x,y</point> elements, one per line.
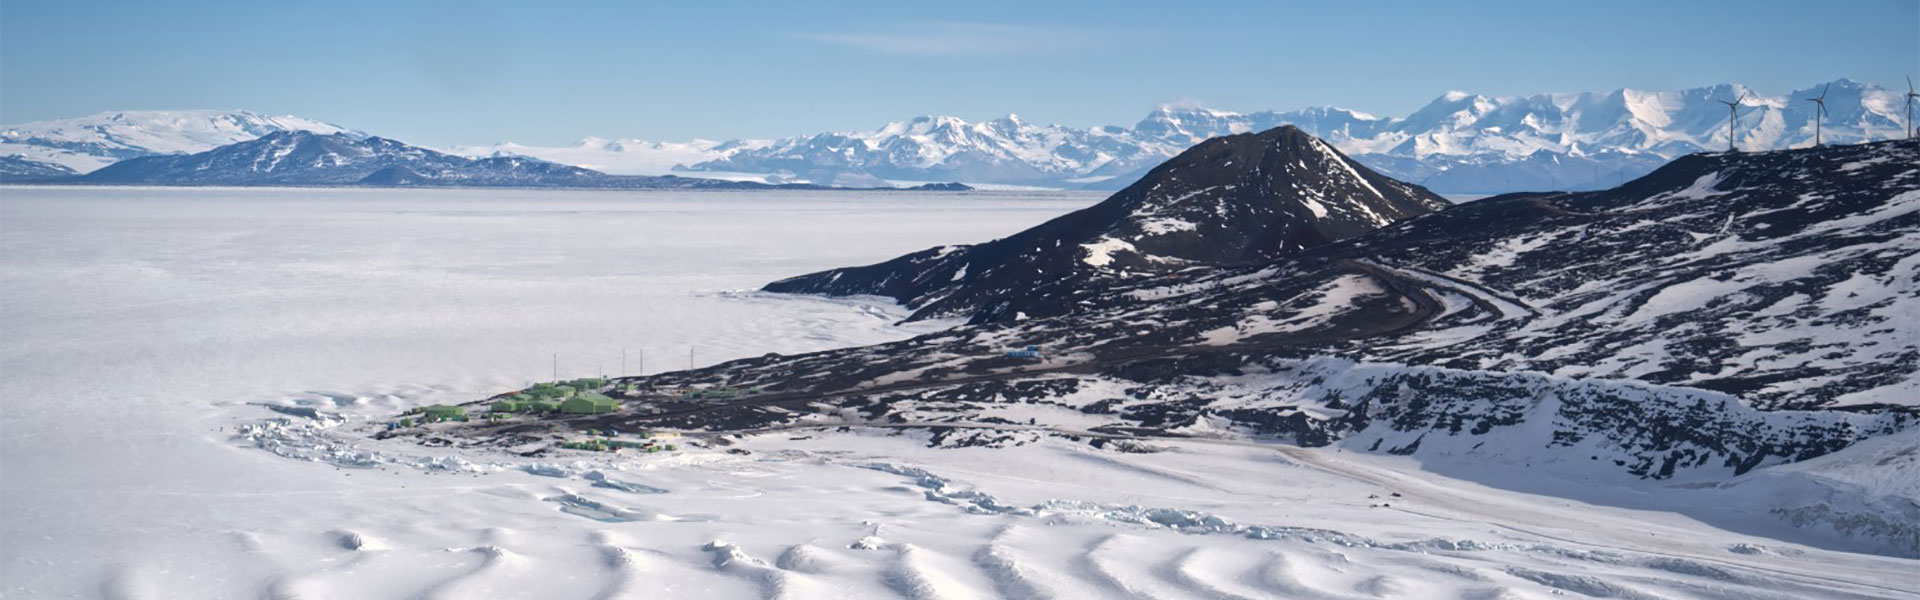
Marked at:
<point>589,403</point>
<point>445,412</point>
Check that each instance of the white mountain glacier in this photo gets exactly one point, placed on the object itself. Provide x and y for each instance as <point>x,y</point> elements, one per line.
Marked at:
<point>87,143</point>
<point>1003,150</point>
<point>1459,142</point>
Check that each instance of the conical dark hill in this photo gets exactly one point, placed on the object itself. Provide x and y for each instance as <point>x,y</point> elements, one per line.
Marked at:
<point>1231,200</point>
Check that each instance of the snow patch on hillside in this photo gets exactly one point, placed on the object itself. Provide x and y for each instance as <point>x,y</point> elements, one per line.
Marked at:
<point>1100,253</point>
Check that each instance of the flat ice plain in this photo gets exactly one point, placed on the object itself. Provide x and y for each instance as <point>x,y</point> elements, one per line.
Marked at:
<point>142,329</point>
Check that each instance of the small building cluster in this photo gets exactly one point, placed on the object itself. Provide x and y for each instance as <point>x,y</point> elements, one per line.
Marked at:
<point>579,396</point>
<point>433,413</point>
<point>584,396</point>
<point>442,412</point>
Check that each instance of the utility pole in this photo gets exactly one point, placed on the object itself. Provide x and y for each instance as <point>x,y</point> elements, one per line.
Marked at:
<point>640,367</point>
<point>690,362</point>
<point>623,362</point>
<point>556,366</point>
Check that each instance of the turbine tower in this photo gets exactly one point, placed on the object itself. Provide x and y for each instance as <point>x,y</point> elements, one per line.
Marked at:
<point>1819,111</point>
<point>1910,96</point>
<point>1733,114</point>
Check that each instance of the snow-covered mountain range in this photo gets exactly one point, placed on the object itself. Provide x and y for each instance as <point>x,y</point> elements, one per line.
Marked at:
<point>1459,142</point>
<point>306,158</point>
<point>85,144</point>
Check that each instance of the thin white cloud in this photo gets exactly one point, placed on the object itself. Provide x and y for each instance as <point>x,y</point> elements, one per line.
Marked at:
<point>964,39</point>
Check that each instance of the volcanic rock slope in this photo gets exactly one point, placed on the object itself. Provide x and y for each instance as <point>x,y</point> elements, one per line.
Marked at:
<point>1241,199</point>
<point>1787,278</point>
<point>1783,280</point>
<point>1725,314</point>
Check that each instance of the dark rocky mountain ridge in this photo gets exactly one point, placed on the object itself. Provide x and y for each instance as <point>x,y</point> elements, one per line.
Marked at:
<point>1233,200</point>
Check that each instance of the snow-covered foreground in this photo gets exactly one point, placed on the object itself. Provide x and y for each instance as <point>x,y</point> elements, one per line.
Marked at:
<point>144,330</point>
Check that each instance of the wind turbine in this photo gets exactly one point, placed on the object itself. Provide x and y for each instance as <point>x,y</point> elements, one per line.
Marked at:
<point>1910,96</point>
<point>1733,110</point>
<point>1821,111</point>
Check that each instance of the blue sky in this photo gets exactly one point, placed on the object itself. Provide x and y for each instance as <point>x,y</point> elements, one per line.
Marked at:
<point>442,73</point>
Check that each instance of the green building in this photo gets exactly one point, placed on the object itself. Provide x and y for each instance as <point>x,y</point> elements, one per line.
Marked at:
<point>589,403</point>
<point>589,383</point>
<point>514,404</point>
<point>542,405</point>
<point>445,412</point>
<point>562,389</point>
